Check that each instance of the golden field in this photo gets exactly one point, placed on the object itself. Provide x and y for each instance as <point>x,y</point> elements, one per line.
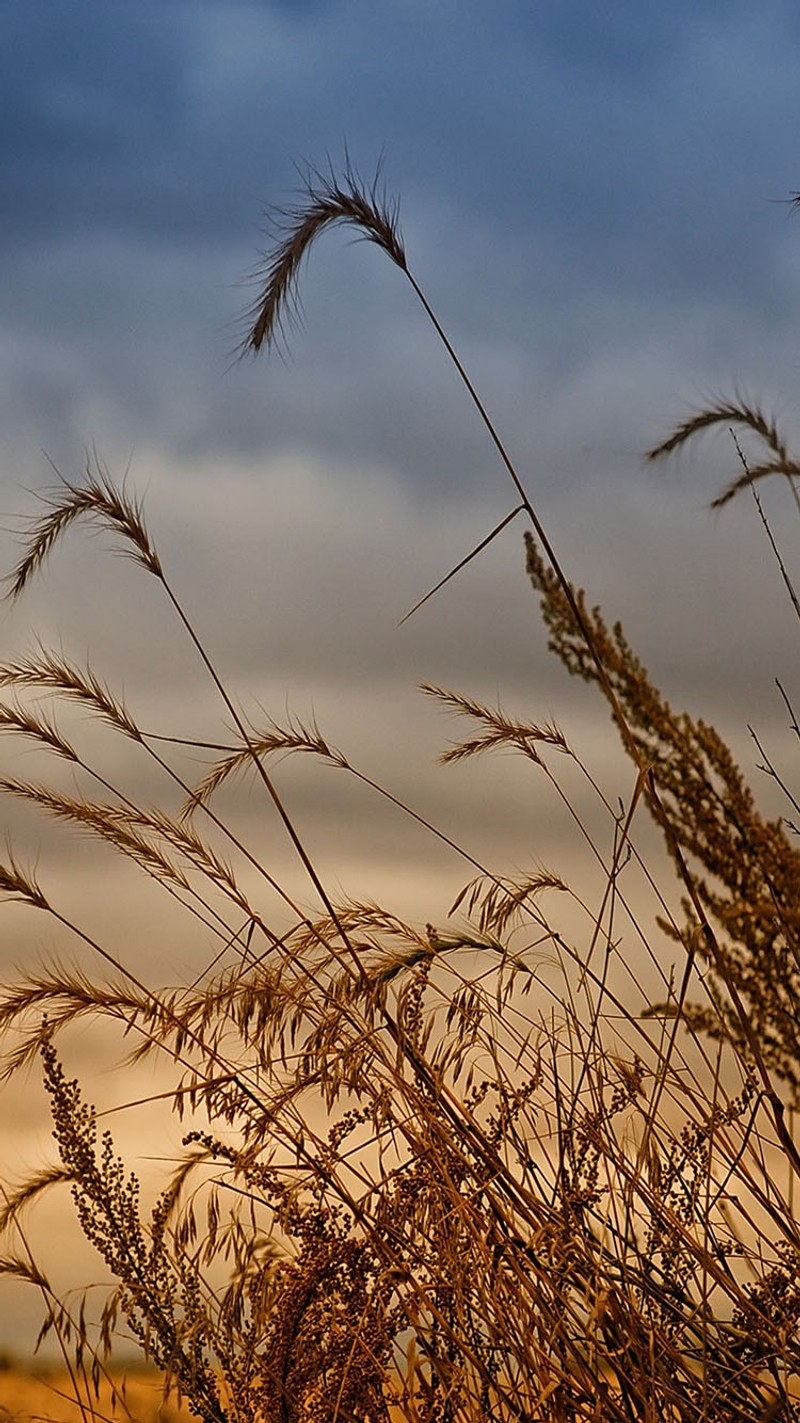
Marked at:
<point>28,1398</point>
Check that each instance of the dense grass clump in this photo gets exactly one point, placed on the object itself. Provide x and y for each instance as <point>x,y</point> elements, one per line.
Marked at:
<point>420,1181</point>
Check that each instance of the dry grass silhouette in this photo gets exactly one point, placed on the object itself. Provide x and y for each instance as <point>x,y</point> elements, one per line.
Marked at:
<point>450,1173</point>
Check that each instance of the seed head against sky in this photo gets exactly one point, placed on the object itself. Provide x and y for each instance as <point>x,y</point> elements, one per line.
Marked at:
<point>596,201</point>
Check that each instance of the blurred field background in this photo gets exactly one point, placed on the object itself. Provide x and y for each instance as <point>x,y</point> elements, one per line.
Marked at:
<point>27,1397</point>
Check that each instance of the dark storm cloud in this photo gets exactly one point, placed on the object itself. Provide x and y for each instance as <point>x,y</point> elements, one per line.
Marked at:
<point>177,119</point>
<point>84,90</point>
<point>575,187</point>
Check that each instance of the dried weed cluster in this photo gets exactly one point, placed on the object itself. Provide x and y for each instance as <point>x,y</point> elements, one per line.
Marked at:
<point>440,1189</point>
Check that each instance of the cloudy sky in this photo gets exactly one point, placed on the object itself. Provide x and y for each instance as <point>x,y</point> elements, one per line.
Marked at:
<point>595,202</point>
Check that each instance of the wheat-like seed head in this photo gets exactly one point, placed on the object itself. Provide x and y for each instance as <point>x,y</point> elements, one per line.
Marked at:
<point>296,736</point>
<point>725,412</point>
<point>16,883</point>
<point>736,412</point>
<point>37,728</point>
<point>498,729</point>
<point>98,499</point>
<point>326,202</point>
<point>50,672</point>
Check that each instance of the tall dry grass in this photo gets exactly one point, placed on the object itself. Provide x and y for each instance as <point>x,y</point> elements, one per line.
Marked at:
<point>464,1171</point>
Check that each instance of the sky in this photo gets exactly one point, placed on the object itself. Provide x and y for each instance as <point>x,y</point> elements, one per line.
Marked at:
<point>596,203</point>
